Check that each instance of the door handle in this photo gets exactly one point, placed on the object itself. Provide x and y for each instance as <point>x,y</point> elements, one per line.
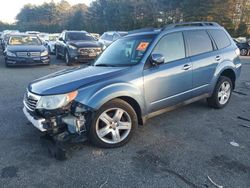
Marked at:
<point>186,67</point>
<point>217,58</point>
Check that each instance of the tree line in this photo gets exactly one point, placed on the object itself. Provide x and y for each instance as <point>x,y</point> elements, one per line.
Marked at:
<point>103,15</point>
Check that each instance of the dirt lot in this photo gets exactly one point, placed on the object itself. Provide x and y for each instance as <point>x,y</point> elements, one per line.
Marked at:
<point>177,149</point>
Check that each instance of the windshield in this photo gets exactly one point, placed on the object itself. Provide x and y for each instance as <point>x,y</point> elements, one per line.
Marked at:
<point>53,37</point>
<point>79,36</point>
<point>24,40</point>
<point>125,51</point>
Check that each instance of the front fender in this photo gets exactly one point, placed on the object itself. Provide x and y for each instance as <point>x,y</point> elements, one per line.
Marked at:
<point>109,92</point>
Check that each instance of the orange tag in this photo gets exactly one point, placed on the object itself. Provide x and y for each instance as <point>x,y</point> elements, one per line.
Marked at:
<point>142,46</point>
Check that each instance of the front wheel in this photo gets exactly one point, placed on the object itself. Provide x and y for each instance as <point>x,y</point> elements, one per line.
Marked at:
<point>57,54</point>
<point>222,93</point>
<point>113,124</point>
<point>67,58</point>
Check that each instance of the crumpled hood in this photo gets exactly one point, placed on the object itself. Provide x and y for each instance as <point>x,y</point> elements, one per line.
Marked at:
<point>72,79</point>
<point>85,44</point>
<point>25,48</point>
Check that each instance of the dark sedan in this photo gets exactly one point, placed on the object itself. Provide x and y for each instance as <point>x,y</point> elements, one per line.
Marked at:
<point>77,46</point>
<point>244,47</point>
<point>26,50</point>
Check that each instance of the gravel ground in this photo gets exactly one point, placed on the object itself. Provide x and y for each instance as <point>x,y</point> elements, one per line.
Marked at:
<point>177,149</point>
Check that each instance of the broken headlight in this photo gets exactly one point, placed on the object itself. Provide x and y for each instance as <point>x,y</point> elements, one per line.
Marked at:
<point>52,102</point>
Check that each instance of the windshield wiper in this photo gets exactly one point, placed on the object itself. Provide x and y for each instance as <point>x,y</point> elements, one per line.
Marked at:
<point>105,65</point>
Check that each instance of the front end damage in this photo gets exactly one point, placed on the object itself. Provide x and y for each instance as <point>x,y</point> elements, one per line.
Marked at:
<point>61,127</point>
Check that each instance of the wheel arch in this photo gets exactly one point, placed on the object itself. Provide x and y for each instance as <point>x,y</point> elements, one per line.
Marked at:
<point>134,104</point>
<point>230,74</point>
<point>123,91</point>
<point>226,68</point>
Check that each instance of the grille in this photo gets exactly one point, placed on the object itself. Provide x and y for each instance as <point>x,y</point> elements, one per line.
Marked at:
<point>28,54</point>
<point>87,51</point>
<point>30,101</point>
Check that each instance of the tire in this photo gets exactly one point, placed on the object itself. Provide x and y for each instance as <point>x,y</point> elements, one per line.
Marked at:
<point>119,132</point>
<point>243,52</point>
<point>49,50</point>
<point>222,93</point>
<point>67,58</point>
<point>6,64</point>
<point>57,54</point>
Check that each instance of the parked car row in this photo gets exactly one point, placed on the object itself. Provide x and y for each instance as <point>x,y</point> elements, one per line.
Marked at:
<point>72,46</point>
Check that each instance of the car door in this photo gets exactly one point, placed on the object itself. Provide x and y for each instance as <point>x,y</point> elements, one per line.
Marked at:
<point>169,83</point>
<point>60,45</point>
<point>204,57</point>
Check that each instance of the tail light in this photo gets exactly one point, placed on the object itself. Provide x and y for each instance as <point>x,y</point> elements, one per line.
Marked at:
<point>237,51</point>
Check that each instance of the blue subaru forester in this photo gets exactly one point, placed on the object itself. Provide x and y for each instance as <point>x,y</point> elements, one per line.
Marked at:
<point>143,74</point>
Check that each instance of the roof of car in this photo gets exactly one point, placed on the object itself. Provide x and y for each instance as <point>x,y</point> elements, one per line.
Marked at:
<point>22,35</point>
<point>71,31</point>
<point>176,26</point>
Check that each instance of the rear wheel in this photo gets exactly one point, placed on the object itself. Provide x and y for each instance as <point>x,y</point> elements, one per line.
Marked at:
<point>243,52</point>
<point>113,124</point>
<point>222,93</point>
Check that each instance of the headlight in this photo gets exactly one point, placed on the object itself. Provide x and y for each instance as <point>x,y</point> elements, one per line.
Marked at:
<point>52,102</point>
<point>72,47</point>
<point>10,54</point>
<point>44,53</point>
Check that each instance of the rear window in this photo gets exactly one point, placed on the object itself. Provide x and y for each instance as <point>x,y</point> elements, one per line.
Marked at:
<point>198,42</point>
<point>220,37</point>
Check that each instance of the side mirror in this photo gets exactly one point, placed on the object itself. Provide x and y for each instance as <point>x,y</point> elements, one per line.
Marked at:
<point>157,59</point>
<point>45,43</point>
<point>60,39</point>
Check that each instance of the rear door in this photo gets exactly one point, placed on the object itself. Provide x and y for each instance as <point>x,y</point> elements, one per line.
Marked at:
<point>202,51</point>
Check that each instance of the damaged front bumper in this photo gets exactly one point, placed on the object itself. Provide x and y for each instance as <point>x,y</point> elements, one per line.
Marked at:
<point>37,122</point>
<point>68,122</point>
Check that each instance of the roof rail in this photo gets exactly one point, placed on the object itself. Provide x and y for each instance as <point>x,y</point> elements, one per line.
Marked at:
<point>142,30</point>
<point>186,24</point>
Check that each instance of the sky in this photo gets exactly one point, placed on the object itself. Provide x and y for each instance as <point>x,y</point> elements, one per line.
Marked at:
<point>10,8</point>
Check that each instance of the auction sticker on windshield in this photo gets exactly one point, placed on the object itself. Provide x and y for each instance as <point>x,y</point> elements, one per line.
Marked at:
<point>142,46</point>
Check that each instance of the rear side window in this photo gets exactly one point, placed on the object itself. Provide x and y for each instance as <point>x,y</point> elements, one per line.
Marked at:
<point>198,42</point>
<point>220,37</point>
<point>171,47</point>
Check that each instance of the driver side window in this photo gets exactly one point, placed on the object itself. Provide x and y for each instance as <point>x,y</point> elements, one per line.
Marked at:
<point>171,47</point>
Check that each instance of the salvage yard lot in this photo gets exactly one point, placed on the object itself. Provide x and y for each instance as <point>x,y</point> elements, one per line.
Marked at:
<point>177,149</point>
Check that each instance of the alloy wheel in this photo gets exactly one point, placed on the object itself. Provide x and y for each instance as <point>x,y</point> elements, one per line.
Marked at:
<point>113,125</point>
<point>243,52</point>
<point>67,57</point>
<point>224,93</point>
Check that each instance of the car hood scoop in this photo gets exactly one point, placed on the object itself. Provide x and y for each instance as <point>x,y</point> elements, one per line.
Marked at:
<point>72,79</point>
